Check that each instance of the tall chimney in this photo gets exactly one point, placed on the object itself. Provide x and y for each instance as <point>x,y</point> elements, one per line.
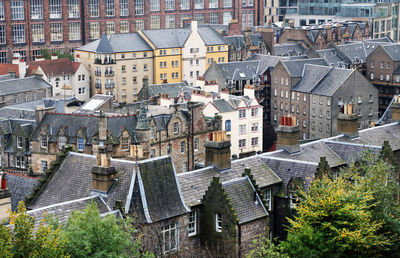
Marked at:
<point>218,150</point>
<point>102,126</point>
<point>288,135</point>
<point>40,111</point>
<point>347,121</point>
<point>102,174</point>
<point>396,109</point>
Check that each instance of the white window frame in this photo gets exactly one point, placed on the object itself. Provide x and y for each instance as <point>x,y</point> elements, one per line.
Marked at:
<point>19,142</point>
<point>62,140</point>
<point>18,33</point>
<point>55,9</point>
<point>73,9</point>
<point>44,165</point>
<point>169,5</point>
<point>124,7</point>
<point>155,5</point>
<point>80,145</point>
<point>268,199</point>
<point>37,33</point>
<point>43,141</point>
<point>110,8</point>
<point>17,10</point>
<point>218,222</point>
<point>56,32</point>
<point>125,143</point>
<point>139,7</point>
<point>170,237</point>
<point>192,227</point>
<point>36,9</point>
<point>74,31</point>
<point>94,9</point>
<point>183,147</point>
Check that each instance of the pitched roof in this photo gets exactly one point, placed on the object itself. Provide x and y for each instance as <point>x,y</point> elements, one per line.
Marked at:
<point>167,38</point>
<point>289,49</point>
<point>240,193</point>
<point>159,190</point>
<point>296,67</point>
<point>116,43</point>
<point>195,183</point>
<point>332,81</point>
<point>266,61</point>
<point>210,36</point>
<point>52,123</point>
<point>311,76</point>
<point>150,184</point>
<point>62,211</point>
<point>223,106</point>
<point>20,187</point>
<point>173,90</point>
<point>61,66</point>
<point>242,70</point>
<point>393,51</point>
<point>17,85</point>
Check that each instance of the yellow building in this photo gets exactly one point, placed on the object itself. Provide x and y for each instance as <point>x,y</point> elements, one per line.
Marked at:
<point>119,65</point>
<point>217,53</point>
<point>181,54</point>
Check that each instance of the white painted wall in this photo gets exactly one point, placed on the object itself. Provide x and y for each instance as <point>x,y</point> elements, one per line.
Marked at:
<point>194,41</point>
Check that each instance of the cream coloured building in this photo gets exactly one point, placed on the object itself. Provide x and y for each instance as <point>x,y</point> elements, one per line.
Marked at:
<point>119,65</point>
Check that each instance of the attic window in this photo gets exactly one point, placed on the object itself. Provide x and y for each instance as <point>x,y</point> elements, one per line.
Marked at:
<point>218,222</point>
<point>125,143</point>
<point>242,75</point>
<point>43,141</point>
<point>61,141</point>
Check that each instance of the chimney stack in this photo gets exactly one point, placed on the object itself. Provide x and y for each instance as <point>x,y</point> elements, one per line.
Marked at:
<point>218,150</point>
<point>102,126</point>
<point>347,121</point>
<point>40,111</point>
<point>396,109</point>
<point>102,174</point>
<point>288,134</point>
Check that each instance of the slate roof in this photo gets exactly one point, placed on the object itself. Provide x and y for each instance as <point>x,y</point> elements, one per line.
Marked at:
<point>55,67</point>
<point>158,188</point>
<point>161,195</point>
<point>72,123</point>
<point>242,70</point>
<point>167,38</point>
<point>62,211</point>
<point>295,67</point>
<point>355,52</point>
<point>17,85</point>
<point>393,50</point>
<point>223,106</point>
<point>240,193</point>
<point>210,36</point>
<point>376,136</point>
<point>332,81</point>
<point>311,152</point>
<point>288,49</point>
<point>351,152</point>
<point>154,90</point>
<point>26,110</point>
<point>332,56</point>
<point>20,187</point>
<point>287,169</point>
<point>238,40</point>
<point>115,43</point>
<point>195,183</point>
<point>266,61</point>
<point>311,76</point>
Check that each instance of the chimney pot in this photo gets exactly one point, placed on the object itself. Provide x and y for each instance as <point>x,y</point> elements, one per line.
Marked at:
<point>218,150</point>
<point>288,135</point>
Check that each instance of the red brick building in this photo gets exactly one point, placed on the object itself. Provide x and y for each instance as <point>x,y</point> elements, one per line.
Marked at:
<point>26,26</point>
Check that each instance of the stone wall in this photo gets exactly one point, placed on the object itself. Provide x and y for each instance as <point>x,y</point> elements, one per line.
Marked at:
<point>250,232</point>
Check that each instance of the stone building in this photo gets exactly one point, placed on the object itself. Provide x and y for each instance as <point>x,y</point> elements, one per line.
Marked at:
<point>203,205</point>
<point>68,79</point>
<point>180,132</point>
<point>316,97</point>
<point>383,70</point>
<point>321,36</point>
<point>18,90</point>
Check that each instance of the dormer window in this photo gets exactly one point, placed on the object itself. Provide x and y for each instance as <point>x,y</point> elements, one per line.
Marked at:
<point>43,141</point>
<point>176,128</point>
<point>19,142</point>
<point>81,143</point>
<point>125,143</point>
<point>218,222</point>
<point>61,141</point>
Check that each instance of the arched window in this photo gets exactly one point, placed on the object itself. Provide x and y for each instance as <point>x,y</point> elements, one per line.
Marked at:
<point>227,125</point>
<point>57,82</point>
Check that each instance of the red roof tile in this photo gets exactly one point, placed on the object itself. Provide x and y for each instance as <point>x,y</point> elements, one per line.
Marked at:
<point>59,66</point>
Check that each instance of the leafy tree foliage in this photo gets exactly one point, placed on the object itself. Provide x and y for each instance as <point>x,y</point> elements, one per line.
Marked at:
<point>47,54</point>
<point>355,215</point>
<point>88,234</point>
<point>265,248</point>
<point>21,240</point>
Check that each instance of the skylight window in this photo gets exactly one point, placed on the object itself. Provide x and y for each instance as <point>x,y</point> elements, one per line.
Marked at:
<point>242,75</point>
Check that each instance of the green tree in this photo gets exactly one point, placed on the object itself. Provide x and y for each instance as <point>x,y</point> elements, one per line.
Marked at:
<point>21,240</point>
<point>335,219</point>
<point>89,234</point>
<point>263,247</point>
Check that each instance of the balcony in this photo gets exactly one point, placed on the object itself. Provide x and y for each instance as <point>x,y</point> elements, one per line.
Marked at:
<point>97,73</point>
<point>97,85</point>
<point>109,61</point>
<point>109,85</point>
<point>109,73</point>
<point>97,61</point>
